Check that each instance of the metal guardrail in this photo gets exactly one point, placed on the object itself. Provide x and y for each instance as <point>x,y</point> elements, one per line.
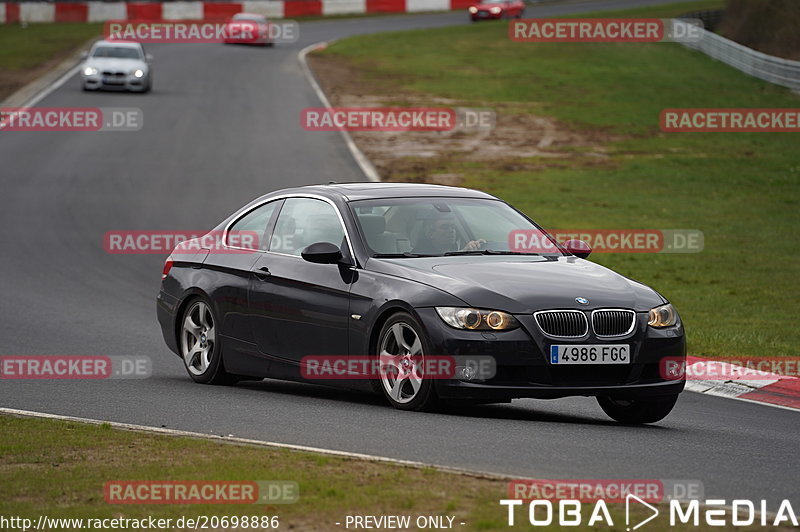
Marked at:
<point>773,69</point>
<point>711,17</point>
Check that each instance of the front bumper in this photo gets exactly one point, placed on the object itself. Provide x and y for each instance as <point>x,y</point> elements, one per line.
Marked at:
<point>486,15</point>
<point>121,83</point>
<point>523,369</point>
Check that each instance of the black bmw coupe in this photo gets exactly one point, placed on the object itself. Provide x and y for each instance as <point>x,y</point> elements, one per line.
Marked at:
<point>418,292</point>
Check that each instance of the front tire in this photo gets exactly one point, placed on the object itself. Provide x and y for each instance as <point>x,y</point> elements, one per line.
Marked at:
<point>402,348</point>
<point>638,411</point>
<point>200,348</point>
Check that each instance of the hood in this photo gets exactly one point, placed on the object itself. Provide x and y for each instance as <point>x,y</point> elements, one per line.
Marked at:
<point>525,284</point>
<point>115,63</point>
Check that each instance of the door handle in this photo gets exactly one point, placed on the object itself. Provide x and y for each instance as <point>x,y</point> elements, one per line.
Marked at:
<point>262,273</point>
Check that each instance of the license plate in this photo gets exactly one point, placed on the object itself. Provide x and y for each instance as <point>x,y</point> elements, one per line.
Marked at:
<point>590,354</point>
<point>113,81</point>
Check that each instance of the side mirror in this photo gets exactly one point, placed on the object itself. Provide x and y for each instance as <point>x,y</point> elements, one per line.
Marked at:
<point>322,253</point>
<point>84,55</point>
<point>579,248</point>
<point>148,57</point>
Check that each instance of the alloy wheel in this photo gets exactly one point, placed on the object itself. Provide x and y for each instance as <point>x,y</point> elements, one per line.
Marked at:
<point>401,359</point>
<point>198,338</point>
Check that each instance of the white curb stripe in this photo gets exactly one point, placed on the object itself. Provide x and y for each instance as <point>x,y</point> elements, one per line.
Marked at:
<point>743,399</point>
<point>44,93</point>
<point>343,7</point>
<point>734,388</point>
<point>260,443</point>
<point>102,11</point>
<point>304,448</point>
<point>366,166</point>
<point>182,11</point>
<point>427,5</point>
<point>268,8</point>
<point>43,12</point>
<point>37,12</point>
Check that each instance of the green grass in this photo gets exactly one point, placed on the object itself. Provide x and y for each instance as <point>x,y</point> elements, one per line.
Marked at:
<point>26,47</point>
<point>738,296</point>
<point>58,469</point>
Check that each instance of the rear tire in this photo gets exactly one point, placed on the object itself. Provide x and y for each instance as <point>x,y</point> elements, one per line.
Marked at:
<point>402,347</point>
<point>200,348</point>
<point>638,411</point>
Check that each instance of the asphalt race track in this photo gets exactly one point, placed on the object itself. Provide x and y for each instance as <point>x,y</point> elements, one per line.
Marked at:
<point>220,128</point>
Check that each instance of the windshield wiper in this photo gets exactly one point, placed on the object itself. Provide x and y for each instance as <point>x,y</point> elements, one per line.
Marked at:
<point>509,252</point>
<point>405,255</point>
<point>487,252</point>
<point>465,252</point>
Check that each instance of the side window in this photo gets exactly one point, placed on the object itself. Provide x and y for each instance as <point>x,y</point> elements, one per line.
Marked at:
<point>248,231</point>
<point>305,221</point>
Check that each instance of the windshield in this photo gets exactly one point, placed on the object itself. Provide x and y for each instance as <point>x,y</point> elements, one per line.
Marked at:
<point>410,227</point>
<point>118,52</point>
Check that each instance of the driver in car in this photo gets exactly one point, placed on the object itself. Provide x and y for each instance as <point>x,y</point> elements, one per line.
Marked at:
<point>440,236</point>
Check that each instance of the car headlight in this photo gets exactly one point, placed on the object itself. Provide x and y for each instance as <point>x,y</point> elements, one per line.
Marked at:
<point>477,320</point>
<point>663,316</point>
<point>473,9</point>
<point>496,10</point>
<point>89,71</point>
<point>138,73</point>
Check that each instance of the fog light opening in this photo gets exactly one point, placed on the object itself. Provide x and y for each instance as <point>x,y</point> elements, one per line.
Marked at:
<point>467,374</point>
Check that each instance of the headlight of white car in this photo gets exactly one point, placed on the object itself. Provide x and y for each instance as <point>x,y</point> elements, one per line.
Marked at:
<point>476,319</point>
<point>89,71</point>
<point>663,316</point>
<point>138,73</point>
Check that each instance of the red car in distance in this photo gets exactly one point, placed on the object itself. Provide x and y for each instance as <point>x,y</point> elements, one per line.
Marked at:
<point>248,28</point>
<point>496,10</point>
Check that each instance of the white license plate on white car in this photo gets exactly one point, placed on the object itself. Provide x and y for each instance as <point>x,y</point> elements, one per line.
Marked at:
<point>590,354</point>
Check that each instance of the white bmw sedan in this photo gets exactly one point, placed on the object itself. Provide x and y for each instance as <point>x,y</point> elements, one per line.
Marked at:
<point>117,65</point>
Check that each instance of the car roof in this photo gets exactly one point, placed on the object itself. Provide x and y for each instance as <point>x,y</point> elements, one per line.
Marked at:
<point>123,44</point>
<point>370,190</point>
